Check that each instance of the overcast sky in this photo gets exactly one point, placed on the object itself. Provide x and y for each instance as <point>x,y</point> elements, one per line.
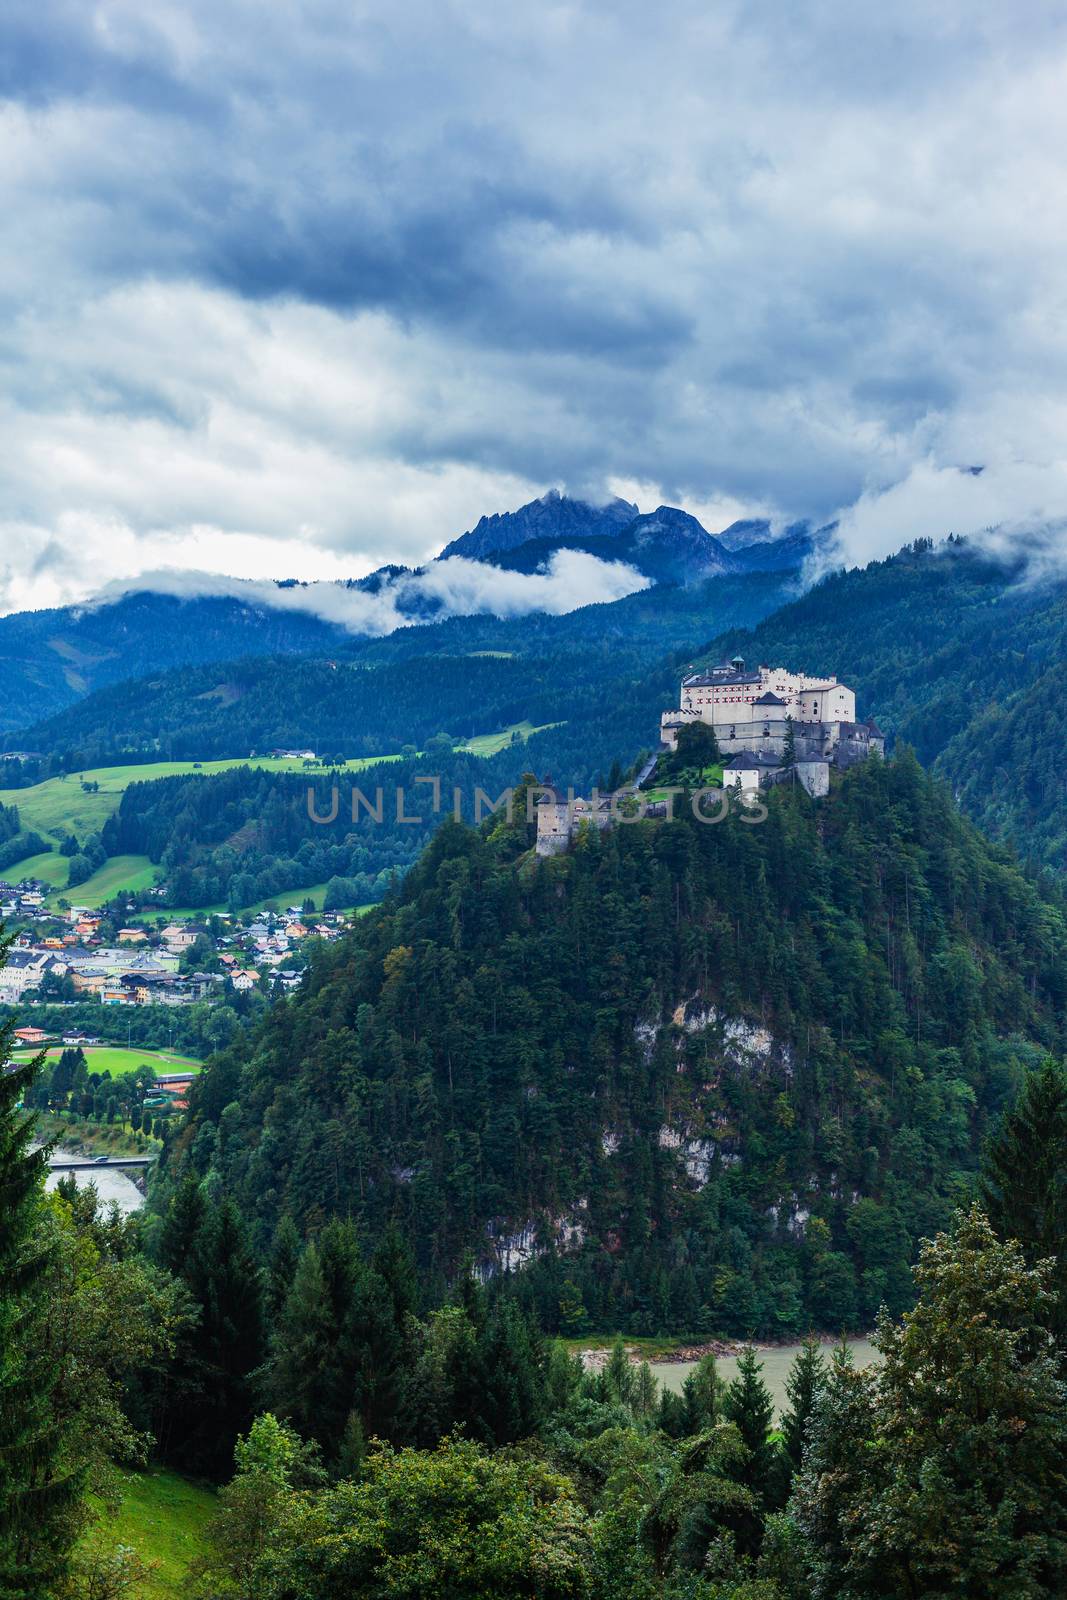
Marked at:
<point>298,288</point>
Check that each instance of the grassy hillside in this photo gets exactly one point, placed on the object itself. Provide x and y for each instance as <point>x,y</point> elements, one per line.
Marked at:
<point>163,1518</point>
<point>60,805</point>
<point>47,867</point>
<point>490,744</point>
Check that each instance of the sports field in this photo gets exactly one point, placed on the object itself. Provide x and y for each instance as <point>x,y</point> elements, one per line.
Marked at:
<point>118,1060</point>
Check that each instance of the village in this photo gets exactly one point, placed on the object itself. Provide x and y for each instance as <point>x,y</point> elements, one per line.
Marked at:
<point>78,954</point>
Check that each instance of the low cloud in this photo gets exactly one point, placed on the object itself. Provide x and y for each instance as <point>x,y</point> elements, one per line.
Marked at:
<point>453,588</point>
<point>1013,509</point>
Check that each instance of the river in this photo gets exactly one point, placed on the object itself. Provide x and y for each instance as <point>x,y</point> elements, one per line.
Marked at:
<point>111,1184</point>
<point>776,1360</point>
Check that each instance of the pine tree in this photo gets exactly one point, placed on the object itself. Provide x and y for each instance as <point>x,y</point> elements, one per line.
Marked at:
<point>511,1357</point>
<point>618,1378</point>
<point>1024,1182</point>
<point>702,1395</point>
<point>38,1492</point>
<point>229,1339</point>
<point>806,1378</point>
<point>181,1225</point>
<point>284,1260</point>
<point>303,1383</point>
<point>646,1393</point>
<point>748,1405</point>
<point>395,1265</point>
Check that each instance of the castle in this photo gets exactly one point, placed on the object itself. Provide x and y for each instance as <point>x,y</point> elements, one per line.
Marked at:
<point>754,712</point>
<point>771,726</point>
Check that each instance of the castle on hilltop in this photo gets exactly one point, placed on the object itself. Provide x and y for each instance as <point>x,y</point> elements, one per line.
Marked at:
<point>770,726</point>
<point>769,723</point>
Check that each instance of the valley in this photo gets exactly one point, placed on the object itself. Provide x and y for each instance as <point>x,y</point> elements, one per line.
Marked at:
<point>564,1077</point>
<point>533,802</point>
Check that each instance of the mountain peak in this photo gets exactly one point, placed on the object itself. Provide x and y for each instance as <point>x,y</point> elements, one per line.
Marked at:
<point>552,516</point>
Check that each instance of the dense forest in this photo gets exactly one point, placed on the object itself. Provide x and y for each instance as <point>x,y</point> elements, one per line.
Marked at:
<point>387,1425</point>
<point>240,836</point>
<point>713,1077</point>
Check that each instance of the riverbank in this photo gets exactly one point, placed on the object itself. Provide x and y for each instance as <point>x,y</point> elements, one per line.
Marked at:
<point>775,1363</point>
<point>80,1137</point>
<point>686,1351</point>
<point>672,1360</point>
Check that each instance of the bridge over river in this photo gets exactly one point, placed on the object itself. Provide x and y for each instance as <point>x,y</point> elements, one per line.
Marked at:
<point>58,1162</point>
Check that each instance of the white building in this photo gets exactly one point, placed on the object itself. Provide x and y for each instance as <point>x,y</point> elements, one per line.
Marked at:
<point>733,696</point>
<point>768,718</point>
<point>24,970</point>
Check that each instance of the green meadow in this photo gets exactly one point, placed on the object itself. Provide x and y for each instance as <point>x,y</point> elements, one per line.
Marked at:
<point>59,806</point>
<point>490,744</point>
<point>162,1517</point>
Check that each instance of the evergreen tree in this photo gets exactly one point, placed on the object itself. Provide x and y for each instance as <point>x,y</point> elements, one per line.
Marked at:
<point>941,1472</point>
<point>306,1382</point>
<point>702,1396</point>
<point>337,1349</point>
<point>511,1358</point>
<point>748,1405</point>
<point>229,1339</point>
<point>182,1223</point>
<point>395,1265</point>
<point>802,1386</point>
<point>39,1491</point>
<point>646,1393</point>
<point>618,1378</point>
<point>1024,1180</point>
<point>284,1260</point>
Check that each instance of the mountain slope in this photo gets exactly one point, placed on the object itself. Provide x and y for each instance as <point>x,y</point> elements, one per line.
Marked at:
<point>50,659</point>
<point>718,1076</point>
<point>666,545</point>
<point>960,656</point>
<point>373,697</point>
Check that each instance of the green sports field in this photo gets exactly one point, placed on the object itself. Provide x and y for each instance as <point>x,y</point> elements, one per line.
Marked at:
<point>117,1060</point>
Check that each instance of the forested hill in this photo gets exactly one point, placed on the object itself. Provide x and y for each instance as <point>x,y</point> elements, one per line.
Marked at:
<point>51,659</point>
<point>716,1078</point>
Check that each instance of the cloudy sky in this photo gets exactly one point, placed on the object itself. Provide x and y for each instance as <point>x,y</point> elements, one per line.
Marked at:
<point>295,288</point>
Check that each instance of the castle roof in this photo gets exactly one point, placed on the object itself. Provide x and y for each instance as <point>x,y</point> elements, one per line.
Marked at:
<point>769,699</point>
<point>726,674</point>
<point>751,763</point>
